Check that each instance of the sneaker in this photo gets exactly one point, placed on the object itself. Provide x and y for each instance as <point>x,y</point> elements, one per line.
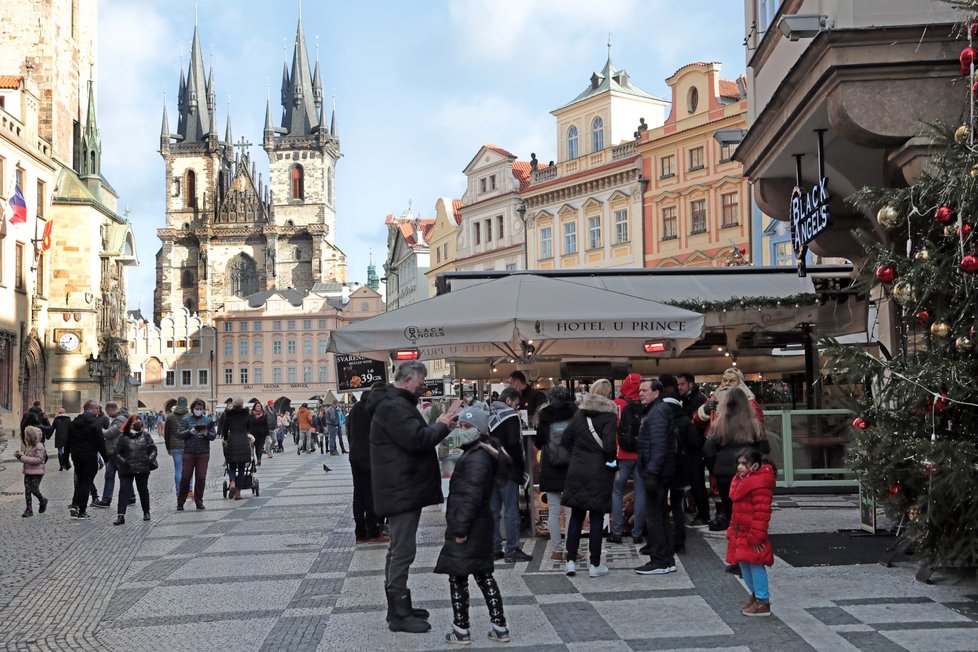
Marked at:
<point>499,635</point>
<point>200,505</point>
<point>699,523</point>
<point>146,516</point>
<point>571,569</point>
<point>750,602</point>
<point>558,555</point>
<point>637,539</point>
<point>101,504</point>
<point>516,556</point>
<point>458,637</point>
<point>43,506</point>
<point>380,538</point>
<point>81,515</point>
<point>597,571</point>
<point>759,609</point>
<point>499,554</point>
<point>614,538</point>
<point>28,512</point>
<point>179,507</point>
<point>73,512</point>
<point>654,569</point>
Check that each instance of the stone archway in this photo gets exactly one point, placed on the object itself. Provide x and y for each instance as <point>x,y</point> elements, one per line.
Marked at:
<point>33,373</point>
<point>242,276</point>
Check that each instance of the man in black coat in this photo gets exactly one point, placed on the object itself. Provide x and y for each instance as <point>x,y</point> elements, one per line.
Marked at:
<point>85,443</point>
<point>683,426</point>
<point>505,427</point>
<point>656,463</point>
<point>367,526</point>
<point>406,478</point>
<point>61,424</point>
<point>692,398</point>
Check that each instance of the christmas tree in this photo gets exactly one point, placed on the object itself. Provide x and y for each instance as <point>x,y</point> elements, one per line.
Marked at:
<point>916,433</point>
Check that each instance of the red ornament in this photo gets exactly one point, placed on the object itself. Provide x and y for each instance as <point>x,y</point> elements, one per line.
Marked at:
<point>940,405</point>
<point>893,490</point>
<point>860,423</point>
<point>963,231</point>
<point>966,58</point>
<point>969,264</point>
<point>974,29</point>
<point>886,274</point>
<point>743,250</point>
<point>974,89</point>
<point>924,317</point>
<point>944,215</point>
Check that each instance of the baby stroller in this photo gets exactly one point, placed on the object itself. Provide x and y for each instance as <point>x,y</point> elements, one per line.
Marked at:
<point>249,481</point>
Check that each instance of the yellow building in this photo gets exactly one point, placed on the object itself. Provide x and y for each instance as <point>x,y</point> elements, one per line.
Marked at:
<point>585,210</point>
<point>443,239</point>
<point>698,203</point>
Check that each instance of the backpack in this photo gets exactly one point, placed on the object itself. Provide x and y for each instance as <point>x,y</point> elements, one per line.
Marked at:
<point>628,426</point>
<point>501,459</point>
<point>557,454</point>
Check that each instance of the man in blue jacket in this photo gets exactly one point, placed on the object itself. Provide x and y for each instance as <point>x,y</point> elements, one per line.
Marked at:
<point>656,462</point>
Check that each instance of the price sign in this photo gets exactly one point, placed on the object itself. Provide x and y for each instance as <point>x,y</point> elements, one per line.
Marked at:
<point>354,374</point>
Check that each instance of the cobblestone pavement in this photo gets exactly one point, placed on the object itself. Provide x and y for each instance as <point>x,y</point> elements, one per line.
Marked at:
<point>280,571</point>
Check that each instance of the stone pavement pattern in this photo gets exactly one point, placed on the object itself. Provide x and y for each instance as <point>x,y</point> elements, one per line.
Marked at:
<point>281,572</point>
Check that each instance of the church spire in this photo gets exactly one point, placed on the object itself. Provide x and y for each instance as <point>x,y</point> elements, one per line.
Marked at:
<point>196,108</point>
<point>317,87</point>
<point>91,160</point>
<point>165,131</point>
<point>332,122</point>
<point>299,96</point>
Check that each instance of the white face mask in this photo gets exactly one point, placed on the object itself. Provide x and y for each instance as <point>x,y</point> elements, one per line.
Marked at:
<point>467,435</point>
<point>198,413</point>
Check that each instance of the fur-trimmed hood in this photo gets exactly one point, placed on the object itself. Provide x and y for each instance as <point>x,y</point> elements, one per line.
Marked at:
<point>597,403</point>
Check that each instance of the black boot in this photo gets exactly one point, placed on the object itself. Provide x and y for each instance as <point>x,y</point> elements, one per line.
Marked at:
<point>399,615</point>
<point>119,520</point>
<point>417,612</point>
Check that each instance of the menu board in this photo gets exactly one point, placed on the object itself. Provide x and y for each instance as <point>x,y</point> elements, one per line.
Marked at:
<point>354,374</point>
<point>434,388</point>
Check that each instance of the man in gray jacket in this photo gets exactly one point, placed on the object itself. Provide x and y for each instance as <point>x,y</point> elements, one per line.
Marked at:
<point>117,417</point>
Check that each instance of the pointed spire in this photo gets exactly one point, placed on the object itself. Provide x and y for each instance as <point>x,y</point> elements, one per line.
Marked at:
<point>269,127</point>
<point>90,164</point>
<point>317,87</point>
<point>332,122</point>
<point>165,129</point>
<point>299,100</point>
<point>228,140</point>
<point>285,82</point>
<point>196,110</point>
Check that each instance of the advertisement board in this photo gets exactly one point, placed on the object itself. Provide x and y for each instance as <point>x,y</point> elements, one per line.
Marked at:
<point>354,374</point>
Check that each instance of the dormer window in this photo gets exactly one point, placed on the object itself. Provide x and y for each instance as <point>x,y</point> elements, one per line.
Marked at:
<point>693,99</point>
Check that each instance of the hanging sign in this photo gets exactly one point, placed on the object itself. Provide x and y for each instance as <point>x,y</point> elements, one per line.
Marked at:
<point>809,210</point>
<point>354,373</point>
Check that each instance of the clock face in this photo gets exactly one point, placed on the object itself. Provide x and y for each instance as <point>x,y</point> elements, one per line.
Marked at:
<point>69,342</point>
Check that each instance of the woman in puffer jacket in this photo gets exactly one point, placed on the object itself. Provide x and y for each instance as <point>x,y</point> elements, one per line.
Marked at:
<point>752,491</point>
<point>197,431</point>
<point>135,457</point>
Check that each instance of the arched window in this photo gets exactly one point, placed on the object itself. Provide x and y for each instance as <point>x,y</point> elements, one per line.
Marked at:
<point>298,190</point>
<point>242,276</point>
<point>187,280</point>
<point>191,189</point>
<point>572,142</point>
<point>693,99</point>
<point>597,134</point>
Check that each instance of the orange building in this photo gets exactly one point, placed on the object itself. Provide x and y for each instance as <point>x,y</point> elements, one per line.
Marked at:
<point>697,207</point>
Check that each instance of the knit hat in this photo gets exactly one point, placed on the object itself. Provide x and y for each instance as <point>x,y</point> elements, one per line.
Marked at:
<point>476,416</point>
<point>182,401</point>
<point>629,386</point>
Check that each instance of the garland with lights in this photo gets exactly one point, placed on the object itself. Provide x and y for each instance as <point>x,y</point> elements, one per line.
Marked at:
<point>746,303</point>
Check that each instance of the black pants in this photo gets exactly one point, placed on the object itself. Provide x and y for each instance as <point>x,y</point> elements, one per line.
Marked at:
<point>367,525</point>
<point>697,486</point>
<point>32,487</point>
<point>677,503</point>
<point>726,505</point>
<point>657,519</point>
<point>459,586</point>
<point>85,469</point>
<point>573,538</point>
<point>63,462</point>
<point>125,491</point>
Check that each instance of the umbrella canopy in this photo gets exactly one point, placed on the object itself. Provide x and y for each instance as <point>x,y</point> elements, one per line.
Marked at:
<point>525,316</point>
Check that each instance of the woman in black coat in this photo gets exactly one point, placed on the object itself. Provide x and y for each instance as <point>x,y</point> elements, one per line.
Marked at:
<point>237,444</point>
<point>135,457</point>
<point>591,472</point>
<point>558,411</point>
<point>469,532</point>
<point>258,428</point>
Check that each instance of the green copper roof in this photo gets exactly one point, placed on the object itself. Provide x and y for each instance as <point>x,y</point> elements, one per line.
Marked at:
<point>610,79</point>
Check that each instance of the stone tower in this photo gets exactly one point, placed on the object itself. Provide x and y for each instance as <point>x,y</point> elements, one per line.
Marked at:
<point>302,155</point>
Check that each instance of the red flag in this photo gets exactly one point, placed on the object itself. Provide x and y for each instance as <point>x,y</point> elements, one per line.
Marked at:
<point>46,237</point>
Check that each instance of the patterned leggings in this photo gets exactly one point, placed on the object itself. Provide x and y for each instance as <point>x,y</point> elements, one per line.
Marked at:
<point>32,486</point>
<point>459,586</point>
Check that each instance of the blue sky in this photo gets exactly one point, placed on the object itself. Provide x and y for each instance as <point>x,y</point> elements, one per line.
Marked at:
<point>420,85</point>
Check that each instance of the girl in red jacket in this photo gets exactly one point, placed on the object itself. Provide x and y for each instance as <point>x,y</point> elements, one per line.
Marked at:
<point>752,491</point>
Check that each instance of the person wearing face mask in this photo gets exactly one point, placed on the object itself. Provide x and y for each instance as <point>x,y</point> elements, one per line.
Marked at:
<point>135,457</point>
<point>405,478</point>
<point>197,432</point>
<point>258,427</point>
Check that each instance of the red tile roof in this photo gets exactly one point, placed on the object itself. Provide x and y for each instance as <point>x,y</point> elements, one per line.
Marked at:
<point>407,229</point>
<point>10,82</point>
<point>500,150</point>
<point>729,88</point>
<point>521,170</point>
<point>456,210</point>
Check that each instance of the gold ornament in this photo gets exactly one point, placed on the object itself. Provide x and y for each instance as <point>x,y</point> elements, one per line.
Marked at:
<point>974,171</point>
<point>950,229</point>
<point>963,343</point>
<point>923,254</point>
<point>913,513</point>
<point>962,133</point>
<point>903,292</point>
<point>940,329</point>
<point>889,217</point>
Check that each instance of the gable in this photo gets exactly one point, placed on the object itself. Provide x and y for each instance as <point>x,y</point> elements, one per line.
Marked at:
<point>488,155</point>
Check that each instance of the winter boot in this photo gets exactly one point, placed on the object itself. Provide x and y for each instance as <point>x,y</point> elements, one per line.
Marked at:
<point>119,520</point>
<point>415,611</point>
<point>400,616</point>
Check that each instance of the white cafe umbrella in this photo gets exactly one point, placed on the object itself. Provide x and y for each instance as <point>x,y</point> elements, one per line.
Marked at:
<point>525,316</point>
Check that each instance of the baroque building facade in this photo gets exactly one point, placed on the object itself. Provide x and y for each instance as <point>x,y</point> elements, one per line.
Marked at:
<point>229,233</point>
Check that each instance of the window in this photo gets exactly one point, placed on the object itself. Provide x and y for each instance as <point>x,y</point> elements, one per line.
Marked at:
<point>321,346</point>
<point>228,376</point>
<point>307,374</point>
<point>259,376</point>
<point>593,232</point>
<point>191,185</point>
<point>187,279</point>
<point>307,348</point>
<point>784,255</point>
<point>766,10</point>
<point>323,374</point>
<point>243,375</point>
<point>510,267</point>
<point>572,142</point>
<point>546,242</point>
<point>258,348</point>
<point>41,197</point>
<point>291,347</point>
<point>730,211</point>
<point>291,324</point>
<point>276,347</point>
<point>243,348</point>
<point>277,325</point>
<point>228,327</point>
<point>297,182</point>
<point>19,267</point>
<point>39,286</point>
<point>696,158</point>
<point>570,238</point>
<point>446,251</point>
<point>621,226</point>
<point>492,182</point>
<point>488,224</point>
<point>19,177</point>
<point>727,151</point>
<point>277,375</point>
<point>499,227</point>
<point>243,326</point>
<point>186,377</point>
<point>697,213</point>
<point>170,380</point>
<point>290,374</point>
<point>597,134</point>
<point>307,324</point>
<point>202,378</point>
<point>438,255</point>
<point>6,369</point>
<point>256,326</point>
<point>477,227</point>
<point>482,185</point>
<point>692,100</point>
<point>669,223</point>
<point>138,375</point>
<point>322,325</point>
<point>667,166</point>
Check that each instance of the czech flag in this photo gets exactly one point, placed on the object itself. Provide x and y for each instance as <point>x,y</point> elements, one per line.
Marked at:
<point>17,207</point>
<point>46,237</point>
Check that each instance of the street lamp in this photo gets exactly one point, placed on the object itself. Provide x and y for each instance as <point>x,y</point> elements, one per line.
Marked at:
<point>521,211</point>
<point>101,369</point>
